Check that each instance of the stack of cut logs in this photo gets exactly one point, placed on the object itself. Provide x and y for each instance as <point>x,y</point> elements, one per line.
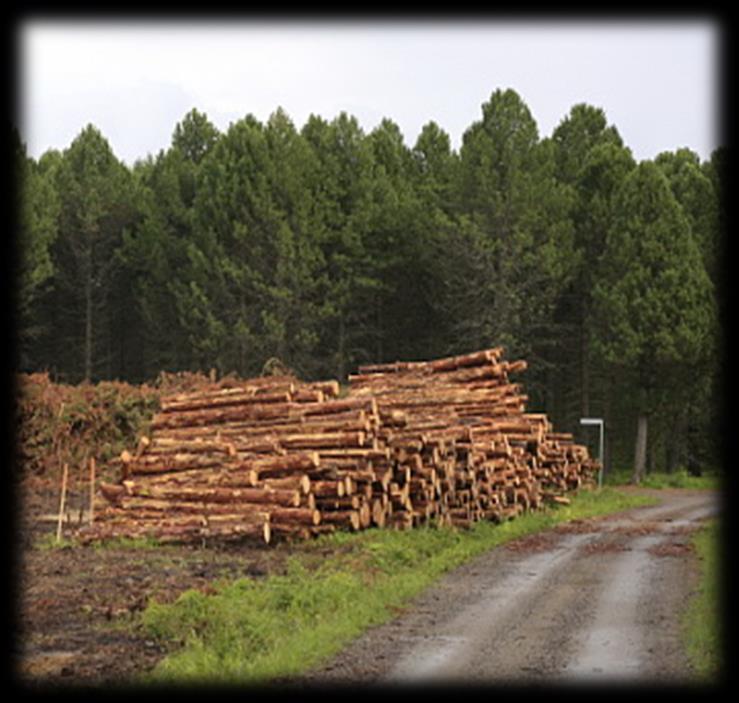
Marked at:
<point>413,441</point>
<point>469,449</point>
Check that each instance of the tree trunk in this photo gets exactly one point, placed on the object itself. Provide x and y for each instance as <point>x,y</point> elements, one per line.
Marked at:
<point>342,344</point>
<point>691,450</point>
<point>550,392</point>
<point>88,323</point>
<point>675,444</point>
<point>584,373</point>
<point>378,341</point>
<point>242,346</point>
<point>607,401</point>
<point>640,457</point>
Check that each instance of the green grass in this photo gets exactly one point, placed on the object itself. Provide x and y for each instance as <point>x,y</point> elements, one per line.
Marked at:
<point>127,543</point>
<point>676,479</point>
<point>702,622</point>
<point>253,631</point>
<point>49,541</point>
<point>681,479</point>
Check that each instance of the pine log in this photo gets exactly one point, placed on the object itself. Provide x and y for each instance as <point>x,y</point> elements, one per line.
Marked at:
<point>277,467</point>
<point>220,495</point>
<point>171,445</point>
<point>478,358</point>
<point>299,482</point>
<point>219,415</point>
<point>301,516</point>
<point>112,492</point>
<point>327,503</point>
<point>262,531</point>
<point>365,514</point>
<point>332,440</point>
<point>330,389</point>
<point>343,518</point>
<point>355,453</point>
<point>145,508</point>
<point>226,400</point>
<point>177,531</point>
<point>328,488</point>
<point>255,386</point>
<point>285,423</point>
<point>153,464</point>
<point>307,395</point>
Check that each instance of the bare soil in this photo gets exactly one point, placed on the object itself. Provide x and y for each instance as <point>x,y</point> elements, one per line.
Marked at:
<point>546,606</point>
<point>77,605</point>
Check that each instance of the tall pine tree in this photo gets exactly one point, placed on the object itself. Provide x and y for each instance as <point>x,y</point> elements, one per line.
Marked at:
<point>96,205</point>
<point>653,299</point>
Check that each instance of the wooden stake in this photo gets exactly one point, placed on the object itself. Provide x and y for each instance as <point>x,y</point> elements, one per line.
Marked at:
<point>81,484</point>
<point>61,503</point>
<point>92,489</point>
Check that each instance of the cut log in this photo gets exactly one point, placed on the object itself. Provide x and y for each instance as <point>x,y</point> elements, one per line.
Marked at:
<point>300,516</point>
<point>222,401</point>
<point>328,488</point>
<point>332,440</point>
<point>343,518</point>
<point>231,496</point>
<point>343,503</point>
<point>299,482</point>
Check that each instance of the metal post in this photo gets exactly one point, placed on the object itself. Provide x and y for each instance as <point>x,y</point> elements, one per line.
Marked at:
<point>599,422</point>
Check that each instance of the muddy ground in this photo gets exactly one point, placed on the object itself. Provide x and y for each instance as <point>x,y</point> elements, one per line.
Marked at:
<point>76,605</point>
<point>593,598</point>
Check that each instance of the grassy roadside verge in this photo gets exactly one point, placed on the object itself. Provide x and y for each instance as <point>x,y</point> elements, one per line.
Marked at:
<point>702,622</point>
<point>254,631</point>
<point>676,479</point>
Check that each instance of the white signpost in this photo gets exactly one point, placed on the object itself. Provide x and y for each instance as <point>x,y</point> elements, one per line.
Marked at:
<point>599,423</point>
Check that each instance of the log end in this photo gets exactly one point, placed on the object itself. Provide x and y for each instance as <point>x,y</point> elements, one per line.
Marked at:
<point>305,484</point>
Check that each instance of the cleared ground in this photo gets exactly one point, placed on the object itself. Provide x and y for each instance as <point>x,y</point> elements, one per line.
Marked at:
<point>590,600</point>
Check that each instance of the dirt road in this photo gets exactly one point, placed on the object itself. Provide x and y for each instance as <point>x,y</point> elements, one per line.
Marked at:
<point>591,601</point>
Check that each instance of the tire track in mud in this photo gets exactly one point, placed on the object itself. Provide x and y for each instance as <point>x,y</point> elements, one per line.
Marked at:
<point>598,600</point>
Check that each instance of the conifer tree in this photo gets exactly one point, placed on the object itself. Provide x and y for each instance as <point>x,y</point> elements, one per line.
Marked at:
<point>514,249</point>
<point>342,197</point>
<point>591,160</point>
<point>96,205</point>
<point>653,299</point>
<point>37,213</point>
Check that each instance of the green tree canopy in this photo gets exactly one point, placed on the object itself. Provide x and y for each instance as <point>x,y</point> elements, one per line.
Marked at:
<point>695,193</point>
<point>513,252</point>
<point>342,197</point>
<point>653,299</point>
<point>249,293</point>
<point>96,204</point>
<point>583,128</point>
<point>37,208</point>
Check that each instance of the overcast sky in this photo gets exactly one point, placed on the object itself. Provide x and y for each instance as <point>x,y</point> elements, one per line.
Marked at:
<point>657,81</point>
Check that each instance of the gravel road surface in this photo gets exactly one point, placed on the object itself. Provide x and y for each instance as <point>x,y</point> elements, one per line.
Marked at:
<point>597,600</point>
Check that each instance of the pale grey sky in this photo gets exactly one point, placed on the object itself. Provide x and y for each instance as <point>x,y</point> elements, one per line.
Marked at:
<point>657,81</point>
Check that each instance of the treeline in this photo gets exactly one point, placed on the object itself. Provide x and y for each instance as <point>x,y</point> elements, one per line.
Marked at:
<point>326,247</point>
